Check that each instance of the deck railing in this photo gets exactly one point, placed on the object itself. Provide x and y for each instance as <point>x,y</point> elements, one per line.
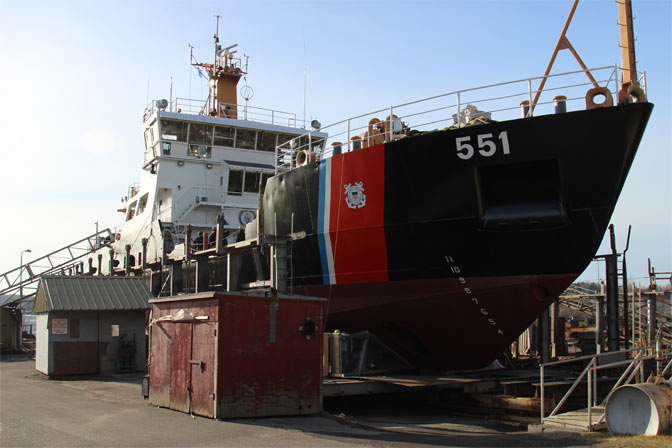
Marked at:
<point>244,112</point>
<point>501,101</point>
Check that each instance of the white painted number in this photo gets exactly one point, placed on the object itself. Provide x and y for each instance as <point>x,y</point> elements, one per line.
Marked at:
<point>464,150</point>
<point>503,136</point>
<point>486,146</point>
<point>482,143</point>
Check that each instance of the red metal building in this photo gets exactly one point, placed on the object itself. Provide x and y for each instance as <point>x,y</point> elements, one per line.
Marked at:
<point>227,355</point>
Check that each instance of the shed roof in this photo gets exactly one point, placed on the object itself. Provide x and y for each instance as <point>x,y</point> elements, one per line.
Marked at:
<point>89,293</point>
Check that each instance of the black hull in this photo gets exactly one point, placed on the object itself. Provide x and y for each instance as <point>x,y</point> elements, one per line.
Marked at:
<point>533,205</point>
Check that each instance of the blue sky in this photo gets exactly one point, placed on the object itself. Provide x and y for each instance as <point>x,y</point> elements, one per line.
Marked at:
<point>75,78</point>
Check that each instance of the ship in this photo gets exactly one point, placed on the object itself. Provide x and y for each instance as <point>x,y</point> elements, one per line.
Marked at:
<point>443,226</point>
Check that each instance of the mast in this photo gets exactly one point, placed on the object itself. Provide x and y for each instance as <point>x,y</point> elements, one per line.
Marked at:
<point>629,68</point>
<point>223,76</point>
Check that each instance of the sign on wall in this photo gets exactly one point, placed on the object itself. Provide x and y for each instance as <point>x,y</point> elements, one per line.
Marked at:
<point>59,326</point>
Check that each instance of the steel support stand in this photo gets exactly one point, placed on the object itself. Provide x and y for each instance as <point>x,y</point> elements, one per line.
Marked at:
<point>651,296</point>
<point>599,306</point>
<point>612,302</point>
<point>545,321</point>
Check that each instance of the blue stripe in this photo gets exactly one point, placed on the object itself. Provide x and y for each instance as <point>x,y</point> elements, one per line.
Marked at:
<point>320,222</point>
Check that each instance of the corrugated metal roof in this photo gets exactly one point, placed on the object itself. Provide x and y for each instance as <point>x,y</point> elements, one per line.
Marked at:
<point>93,293</point>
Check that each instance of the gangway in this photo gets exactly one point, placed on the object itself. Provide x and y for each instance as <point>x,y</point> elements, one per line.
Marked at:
<point>21,283</point>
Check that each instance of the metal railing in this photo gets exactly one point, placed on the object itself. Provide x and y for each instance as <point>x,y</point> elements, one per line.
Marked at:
<point>25,277</point>
<point>243,112</point>
<point>635,367</point>
<point>501,101</point>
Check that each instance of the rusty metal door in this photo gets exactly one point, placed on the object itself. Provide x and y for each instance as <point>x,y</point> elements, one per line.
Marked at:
<point>161,338</point>
<point>180,351</point>
<point>202,368</point>
<point>184,367</point>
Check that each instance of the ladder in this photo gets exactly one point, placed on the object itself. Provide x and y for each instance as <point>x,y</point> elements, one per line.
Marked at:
<point>21,283</point>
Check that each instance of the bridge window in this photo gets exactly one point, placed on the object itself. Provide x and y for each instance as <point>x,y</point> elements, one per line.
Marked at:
<point>148,141</point>
<point>200,134</point>
<point>174,130</point>
<point>131,211</point>
<point>224,136</point>
<point>245,138</point>
<point>266,141</point>
<point>317,144</point>
<point>143,203</point>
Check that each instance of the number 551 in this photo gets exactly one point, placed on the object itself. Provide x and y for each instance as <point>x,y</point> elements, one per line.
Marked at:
<point>486,146</point>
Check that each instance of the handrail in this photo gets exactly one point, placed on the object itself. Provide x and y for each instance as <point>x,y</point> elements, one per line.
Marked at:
<point>423,114</point>
<point>569,392</point>
<point>633,366</point>
<point>597,355</point>
<point>62,258</point>
<point>192,106</point>
<point>638,358</point>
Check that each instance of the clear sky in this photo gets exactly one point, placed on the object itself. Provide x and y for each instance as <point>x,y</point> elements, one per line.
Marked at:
<point>75,77</point>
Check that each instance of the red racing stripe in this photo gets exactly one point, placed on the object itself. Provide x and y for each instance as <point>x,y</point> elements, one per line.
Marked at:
<point>357,216</point>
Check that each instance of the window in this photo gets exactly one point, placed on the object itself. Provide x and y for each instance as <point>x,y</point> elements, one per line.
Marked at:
<point>317,144</point>
<point>114,330</point>
<point>251,182</point>
<point>148,139</point>
<point>283,140</point>
<point>131,211</point>
<point>200,139</point>
<point>174,130</point>
<point>245,139</point>
<point>74,328</point>
<point>246,181</point>
<point>200,151</point>
<point>266,141</point>
<point>235,182</point>
<point>143,203</point>
<point>166,148</point>
<point>224,136</point>
<point>200,134</point>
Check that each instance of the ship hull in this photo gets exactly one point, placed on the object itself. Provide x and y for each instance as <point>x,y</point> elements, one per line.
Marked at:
<point>444,323</point>
<point>448,244</point>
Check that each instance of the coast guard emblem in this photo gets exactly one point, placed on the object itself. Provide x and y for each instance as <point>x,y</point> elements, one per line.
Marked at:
<point>354,195</point>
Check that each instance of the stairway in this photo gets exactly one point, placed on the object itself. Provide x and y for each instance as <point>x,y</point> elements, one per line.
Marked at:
<point>21,283</point>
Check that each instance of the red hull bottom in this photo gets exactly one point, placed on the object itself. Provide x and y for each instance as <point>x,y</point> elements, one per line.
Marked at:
<point>450,323</point>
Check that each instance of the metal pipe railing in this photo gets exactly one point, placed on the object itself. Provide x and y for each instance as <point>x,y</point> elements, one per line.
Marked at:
<point>433,108</point>
<point>634,365</point>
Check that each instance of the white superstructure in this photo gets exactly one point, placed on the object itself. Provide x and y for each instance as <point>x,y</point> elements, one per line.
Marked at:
<point>198,166</point>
